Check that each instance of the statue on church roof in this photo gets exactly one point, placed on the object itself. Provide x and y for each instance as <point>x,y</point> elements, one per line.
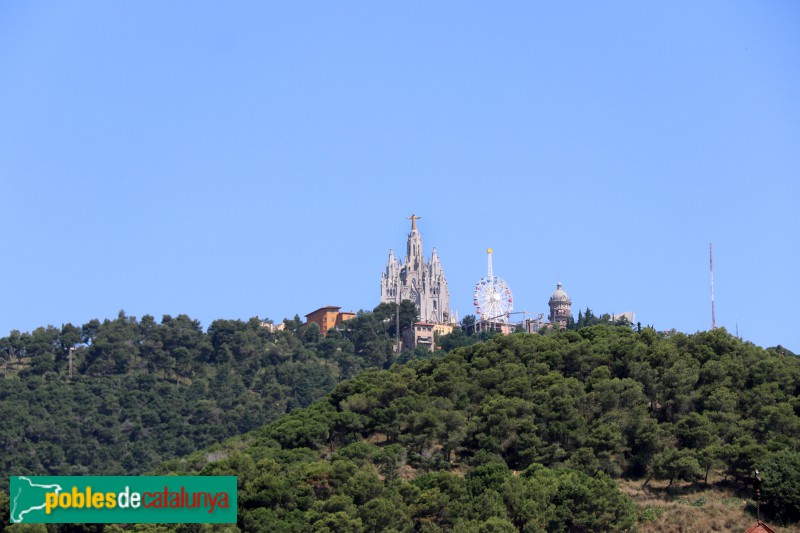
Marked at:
<point>413,218</point>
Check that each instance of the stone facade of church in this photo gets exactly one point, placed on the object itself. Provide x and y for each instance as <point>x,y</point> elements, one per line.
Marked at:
<point>417,280</point>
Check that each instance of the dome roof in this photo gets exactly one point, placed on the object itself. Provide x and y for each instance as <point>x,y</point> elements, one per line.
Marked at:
<point>559,295</point>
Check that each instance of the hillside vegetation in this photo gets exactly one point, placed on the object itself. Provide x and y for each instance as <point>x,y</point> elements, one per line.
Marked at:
<point>515,433</point>
<point>524,433</point>
<point>142,392</point>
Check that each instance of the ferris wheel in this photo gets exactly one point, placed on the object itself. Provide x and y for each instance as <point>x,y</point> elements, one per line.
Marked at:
<point>492,297</point>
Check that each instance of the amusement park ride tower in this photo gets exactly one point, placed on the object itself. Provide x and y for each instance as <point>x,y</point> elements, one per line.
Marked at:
<point>493,301</point>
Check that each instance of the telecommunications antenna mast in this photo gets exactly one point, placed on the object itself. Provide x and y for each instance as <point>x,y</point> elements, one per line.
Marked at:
<point>711,266</point>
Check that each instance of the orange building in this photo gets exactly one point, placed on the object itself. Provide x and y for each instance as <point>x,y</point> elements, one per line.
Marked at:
<point>328,317</point>
<point>421,334</point>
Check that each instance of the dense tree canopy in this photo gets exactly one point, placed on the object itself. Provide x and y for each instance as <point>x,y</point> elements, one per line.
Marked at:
<point>496,433</point>
<point>521,433</point>
<point>144,391</point>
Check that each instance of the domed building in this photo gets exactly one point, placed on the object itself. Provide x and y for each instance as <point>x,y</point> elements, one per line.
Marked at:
<point>560,312</point>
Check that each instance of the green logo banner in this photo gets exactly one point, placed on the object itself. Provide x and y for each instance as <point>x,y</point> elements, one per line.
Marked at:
<point>123,499</point>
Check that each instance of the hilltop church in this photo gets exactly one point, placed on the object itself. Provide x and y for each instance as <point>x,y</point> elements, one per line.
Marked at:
<point>421,282</point>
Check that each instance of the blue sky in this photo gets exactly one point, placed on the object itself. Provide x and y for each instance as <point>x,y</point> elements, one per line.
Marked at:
<point>228,160</point>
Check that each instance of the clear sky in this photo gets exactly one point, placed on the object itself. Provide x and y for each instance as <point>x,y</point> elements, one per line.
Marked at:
<point>239,159</point>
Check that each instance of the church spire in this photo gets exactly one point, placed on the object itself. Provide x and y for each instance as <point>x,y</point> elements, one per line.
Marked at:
<point>391,264</point>
<point>423,282</point>
<point>414,247</point>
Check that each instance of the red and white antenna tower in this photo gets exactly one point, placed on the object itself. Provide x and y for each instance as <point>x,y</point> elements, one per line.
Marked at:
<point>711,265</point>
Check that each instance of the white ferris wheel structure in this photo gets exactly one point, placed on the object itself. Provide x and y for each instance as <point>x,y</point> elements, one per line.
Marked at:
<point>492,297</point>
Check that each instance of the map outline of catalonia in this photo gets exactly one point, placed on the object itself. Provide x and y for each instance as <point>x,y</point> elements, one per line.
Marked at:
<point>20,514</point>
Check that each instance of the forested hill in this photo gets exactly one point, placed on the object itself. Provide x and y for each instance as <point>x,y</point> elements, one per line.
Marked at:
<point>142,391</point>
<point>522,433</point>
